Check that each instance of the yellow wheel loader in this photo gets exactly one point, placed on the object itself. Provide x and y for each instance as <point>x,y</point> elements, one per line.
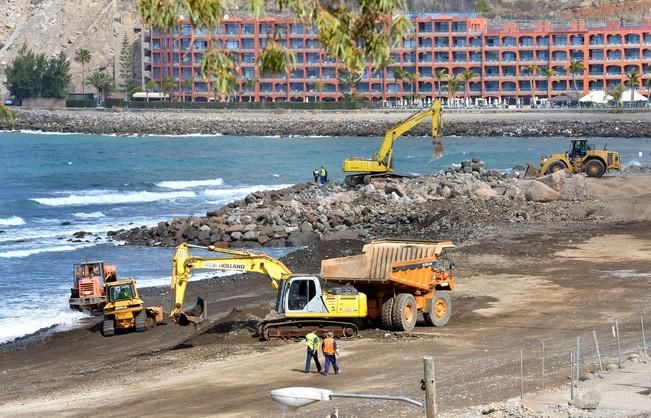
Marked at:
<point>125,310</point>
<point>582,157</point>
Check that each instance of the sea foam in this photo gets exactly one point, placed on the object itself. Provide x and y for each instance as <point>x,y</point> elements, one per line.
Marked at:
<point>188,184</point>
<point>111,198</point>
<point>12,221</point>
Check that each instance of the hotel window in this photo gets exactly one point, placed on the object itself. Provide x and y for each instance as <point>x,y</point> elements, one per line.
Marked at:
<point>459,27</point>
<point>297,29</point>
<point>232,28</point>
<point>425,27</point>
<point>248,29</point>
<point>559,40</point>
<point>232,44</point>
<point>441,27</point>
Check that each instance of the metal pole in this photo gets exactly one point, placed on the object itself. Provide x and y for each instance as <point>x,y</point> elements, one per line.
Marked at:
<point>643,340</point>
<point>430,387</point>
<point>578,357</point>
<point>596,344</point>
<point>571,375</point>
<point>619,347</point>
<point>521,377</point>
<point>543,364</point>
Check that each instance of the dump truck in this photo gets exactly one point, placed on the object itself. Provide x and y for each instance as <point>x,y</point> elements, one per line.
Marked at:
<point>125,310</point>
<point>388,286</point>
<point>582,157</point>
<point>87,293</point>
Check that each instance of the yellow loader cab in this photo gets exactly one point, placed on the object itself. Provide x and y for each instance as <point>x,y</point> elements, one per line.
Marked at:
<point>124,309</point>
<point>582,157</point>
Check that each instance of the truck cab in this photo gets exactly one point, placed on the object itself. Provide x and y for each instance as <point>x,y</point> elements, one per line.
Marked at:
<point>89,279</point>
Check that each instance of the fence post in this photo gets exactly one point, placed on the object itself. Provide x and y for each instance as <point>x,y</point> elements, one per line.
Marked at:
<point>572,375</point>
<point>619,347</point>
<point>430,387</point>
<point>596,344</point>
<point>521,377</point>
<point>646,360</point>
<point>543,364</point>
<point>578,357</point>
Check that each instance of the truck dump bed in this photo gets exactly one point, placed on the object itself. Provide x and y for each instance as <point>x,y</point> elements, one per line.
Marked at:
<point>375,264</point>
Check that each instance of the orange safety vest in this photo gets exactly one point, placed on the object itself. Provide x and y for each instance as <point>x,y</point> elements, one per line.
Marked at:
<point>329,346</point>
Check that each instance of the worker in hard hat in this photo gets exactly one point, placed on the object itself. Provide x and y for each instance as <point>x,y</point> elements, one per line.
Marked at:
<point>330,353</point>
<point>313,343</point>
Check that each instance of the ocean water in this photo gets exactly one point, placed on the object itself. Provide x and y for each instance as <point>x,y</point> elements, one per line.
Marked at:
<point>53,185</point>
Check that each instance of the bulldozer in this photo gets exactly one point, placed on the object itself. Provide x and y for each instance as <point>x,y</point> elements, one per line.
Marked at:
<point>125,310</point>
<point>582,157</point>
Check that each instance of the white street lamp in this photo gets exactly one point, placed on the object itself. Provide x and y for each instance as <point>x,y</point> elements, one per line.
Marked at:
<point>296,397</point>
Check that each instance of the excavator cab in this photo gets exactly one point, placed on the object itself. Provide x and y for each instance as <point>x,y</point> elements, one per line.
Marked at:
<point>89,279</point>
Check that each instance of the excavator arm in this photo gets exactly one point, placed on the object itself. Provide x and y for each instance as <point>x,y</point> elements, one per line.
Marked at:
<point>235,261</point>
<point>381,161</point>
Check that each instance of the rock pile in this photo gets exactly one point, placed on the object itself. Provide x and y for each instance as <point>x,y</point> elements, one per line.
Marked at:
<point>454,204</point>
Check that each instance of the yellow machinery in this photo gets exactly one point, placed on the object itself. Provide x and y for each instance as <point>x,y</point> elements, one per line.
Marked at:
<point>402,278</point>
<point>124,309</point>
<point>381,163</point>
<point>582,157</point>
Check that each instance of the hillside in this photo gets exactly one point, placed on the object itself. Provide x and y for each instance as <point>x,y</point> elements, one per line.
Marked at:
<point>53,26</point>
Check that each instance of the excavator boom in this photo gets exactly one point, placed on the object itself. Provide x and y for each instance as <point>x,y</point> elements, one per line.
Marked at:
<point>381,161</point>
<point>235,261</point>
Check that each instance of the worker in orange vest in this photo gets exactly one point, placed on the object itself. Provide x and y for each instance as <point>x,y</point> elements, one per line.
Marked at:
<point>330,352</point>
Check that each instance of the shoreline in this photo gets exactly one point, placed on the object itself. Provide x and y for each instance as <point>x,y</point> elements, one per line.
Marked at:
<point>624,123</point>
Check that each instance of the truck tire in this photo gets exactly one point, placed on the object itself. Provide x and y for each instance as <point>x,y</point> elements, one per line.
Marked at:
<point>594,168</point>
<point>442,309</point>
<point>405,312</point>
<point>555,167</point>
<point>140,320</point>
<point>108,327</point>
<point>387,312</point>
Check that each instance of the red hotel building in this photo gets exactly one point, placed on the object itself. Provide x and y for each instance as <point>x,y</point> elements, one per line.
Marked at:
<point>497,52</point>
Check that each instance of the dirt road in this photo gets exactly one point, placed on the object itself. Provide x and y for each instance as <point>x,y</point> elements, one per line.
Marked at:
<point>516,285</point>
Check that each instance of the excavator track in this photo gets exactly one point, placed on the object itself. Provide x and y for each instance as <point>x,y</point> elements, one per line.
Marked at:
<point>298,328</point>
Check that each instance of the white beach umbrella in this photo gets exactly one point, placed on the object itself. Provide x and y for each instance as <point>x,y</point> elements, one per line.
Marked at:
<point>637,97</point>
<point>598,96</point>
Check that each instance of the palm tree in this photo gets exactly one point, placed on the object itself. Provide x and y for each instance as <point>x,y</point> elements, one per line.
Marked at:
<point>276,58</point>
<point>440,74</point>
<point>532,70</point>
<point>466,76</point>
<point>648,90</point>
<point>188,83</point>
<point>549,73</point>
<point>318,86</point>
<point>633,81</point>
<point>7,117</point>
<point>453,86</point>
<point>617,92</point>
<point>385,61</point>
<point>400,75</point>
<point>250,83</point>
<point>83,57</point>
<point>103,82</point>
<point>218,65</point>
<point>167,85</point>
<point>150,85</point>
<point>575,67</point>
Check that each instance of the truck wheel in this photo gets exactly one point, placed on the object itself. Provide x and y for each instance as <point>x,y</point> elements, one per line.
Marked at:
<point>595,168</point>
<point>108,327</point>
<point>405,312</point>
<point>387,311</point>
<point>555,167</point>
<point>140,320</point>
<point>442,309</point>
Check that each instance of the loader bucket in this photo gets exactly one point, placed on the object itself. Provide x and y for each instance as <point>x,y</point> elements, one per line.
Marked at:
<point>195,315</point>
<point>531,172</point>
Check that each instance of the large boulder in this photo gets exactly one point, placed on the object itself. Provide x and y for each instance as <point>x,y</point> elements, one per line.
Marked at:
<point>538,192</point>
<point>302,238</point>
<point>341,234</point>
<point>555,180</point>
<point>391,187</point>
<point>483,191</point>
<point>586,400</point>
<point>574,188</point>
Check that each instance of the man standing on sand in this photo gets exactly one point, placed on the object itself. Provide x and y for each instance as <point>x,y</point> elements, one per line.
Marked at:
<point>330,353</point>
<point>313,343</point>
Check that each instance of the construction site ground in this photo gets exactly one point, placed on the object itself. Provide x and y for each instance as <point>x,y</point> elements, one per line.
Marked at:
<point>517,285</point>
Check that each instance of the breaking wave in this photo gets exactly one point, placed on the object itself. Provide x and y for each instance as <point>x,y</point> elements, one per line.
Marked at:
<point>189,184</point>
<point>111,198</point>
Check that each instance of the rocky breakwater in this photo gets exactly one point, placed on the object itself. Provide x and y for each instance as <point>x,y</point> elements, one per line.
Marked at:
<point>455,204</point>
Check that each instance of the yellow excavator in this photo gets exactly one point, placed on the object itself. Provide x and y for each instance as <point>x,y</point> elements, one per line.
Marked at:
<point>391,283</point>
<point>381,163</point>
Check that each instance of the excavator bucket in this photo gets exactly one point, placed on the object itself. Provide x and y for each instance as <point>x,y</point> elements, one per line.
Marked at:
<point>195,315</point>
<point>531,171</point>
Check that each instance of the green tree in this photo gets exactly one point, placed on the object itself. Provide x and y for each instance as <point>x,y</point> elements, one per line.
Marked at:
<point>549,73</point>
<point>34,75</point>
<point>348,82</point>
<point>218,65</point>
<point>318,86</point>
<point>150,86</point>
<point>167,86</point>
<point>617,92</point>
<point>103,82</point>
<point>440,74</point>
<point>7,117</point>
<point>355,33</point>
<point>481,7</point>
<point>453,86</point>
<point>466,76</point>
<point>126,64</point>
<point>83,57</point>
<point>276,59</point>
<point>250,83</point>
<point>532,70</point>
<point>633,81</point>
<point>575,67</point>
<point>188,83</point>
<point>382,66</point>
